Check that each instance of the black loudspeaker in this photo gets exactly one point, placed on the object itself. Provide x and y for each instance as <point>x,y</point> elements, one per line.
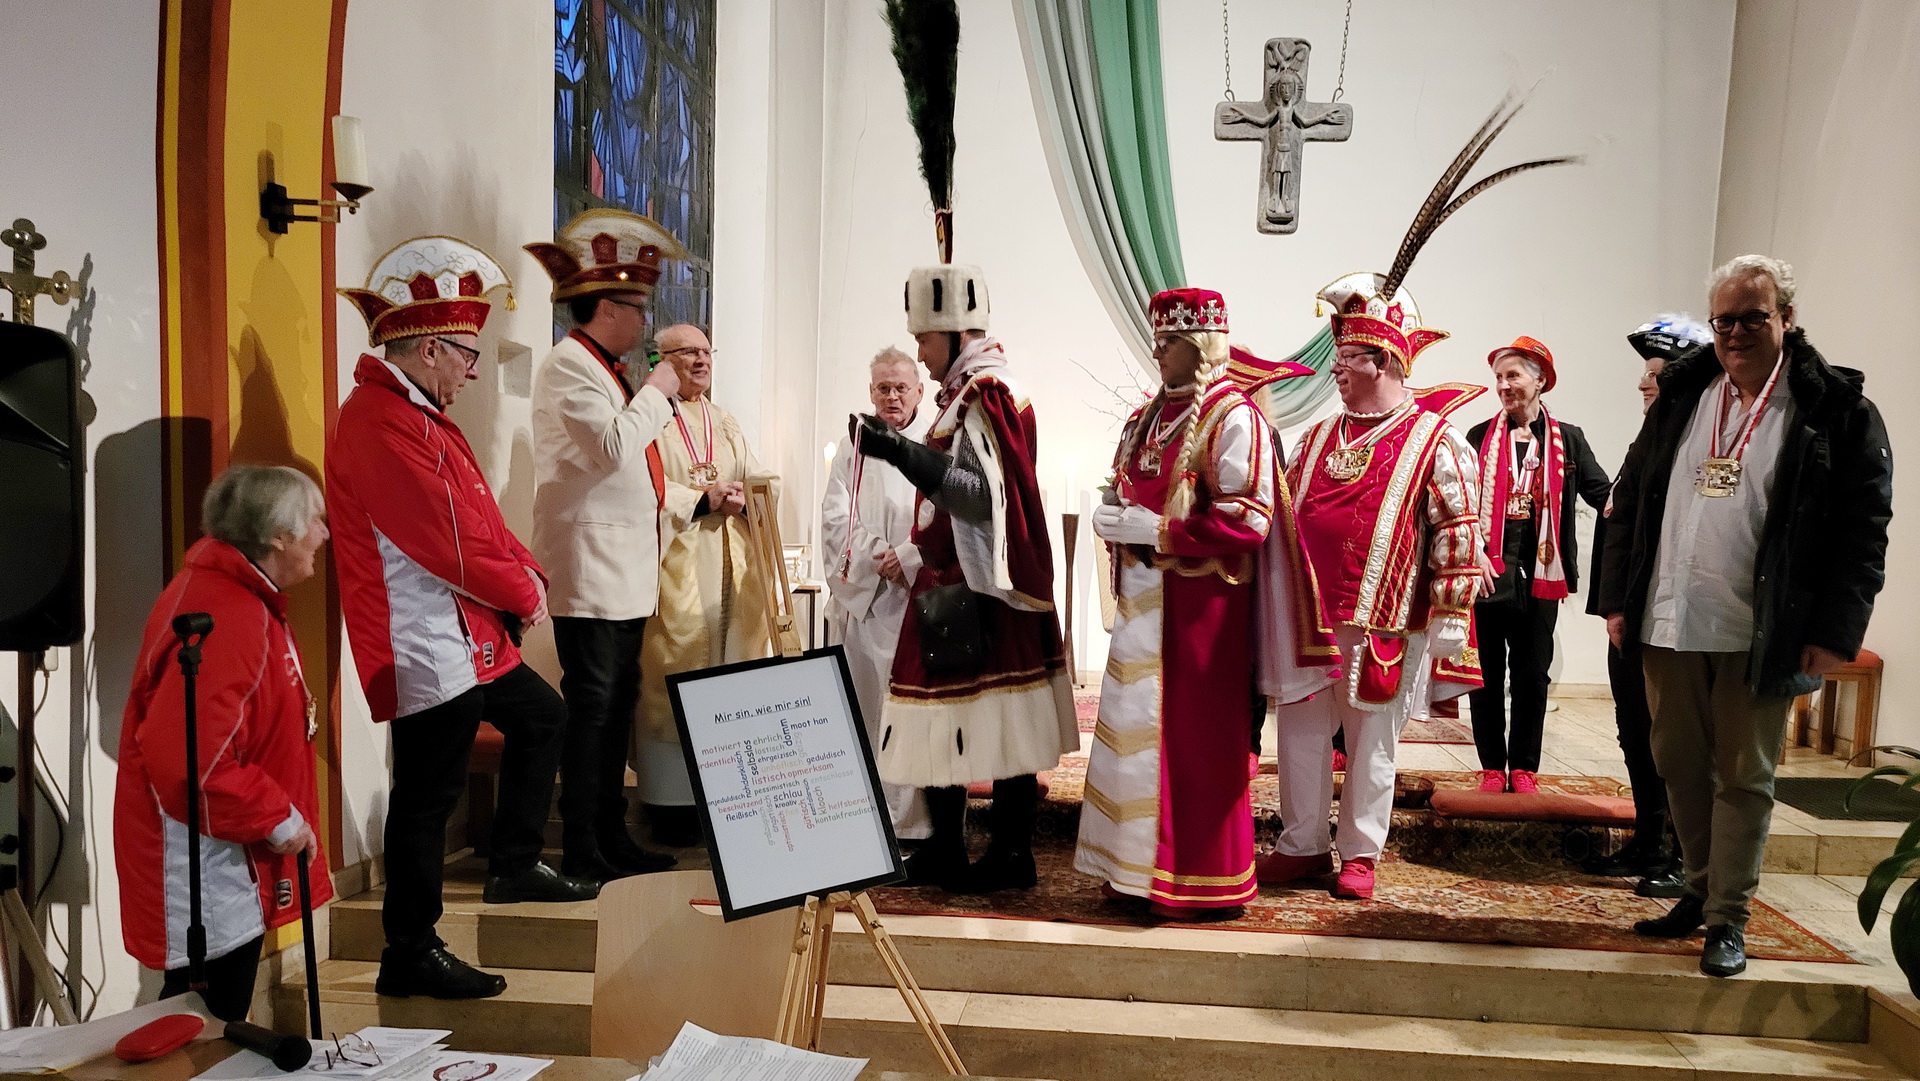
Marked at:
<point>42,498</point>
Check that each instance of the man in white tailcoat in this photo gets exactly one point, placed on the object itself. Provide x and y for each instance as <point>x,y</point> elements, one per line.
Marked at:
<point>596,517</point>
<point>870,561</point>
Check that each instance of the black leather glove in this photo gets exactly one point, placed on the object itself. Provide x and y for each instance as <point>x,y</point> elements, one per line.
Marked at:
<point>925,467</point>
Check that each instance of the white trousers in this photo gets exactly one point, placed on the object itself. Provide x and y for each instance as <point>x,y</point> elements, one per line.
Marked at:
<point>1304,738</point>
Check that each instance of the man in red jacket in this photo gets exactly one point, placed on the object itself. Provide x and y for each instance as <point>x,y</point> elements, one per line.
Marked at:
<point>435,591</point>
<point>255,723</point>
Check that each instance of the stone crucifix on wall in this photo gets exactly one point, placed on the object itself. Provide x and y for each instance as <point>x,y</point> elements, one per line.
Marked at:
<point>1284,122</point>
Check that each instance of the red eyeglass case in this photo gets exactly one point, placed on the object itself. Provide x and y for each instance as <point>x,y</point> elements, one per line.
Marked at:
<point>157,1038</point>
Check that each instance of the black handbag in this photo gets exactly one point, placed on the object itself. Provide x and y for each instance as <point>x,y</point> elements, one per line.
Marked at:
<point>953,633</point>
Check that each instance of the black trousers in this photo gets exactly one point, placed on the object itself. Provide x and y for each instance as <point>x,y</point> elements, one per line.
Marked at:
<point>1634,722</point>
<point>430,772</point>
<point>1516,648</point>
<point>229,993</point>
<point>600,679</point>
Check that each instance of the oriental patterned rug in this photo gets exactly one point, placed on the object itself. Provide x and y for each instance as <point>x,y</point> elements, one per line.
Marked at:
<point>1474,882</point>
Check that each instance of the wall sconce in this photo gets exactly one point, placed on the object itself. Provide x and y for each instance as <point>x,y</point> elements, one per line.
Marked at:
<point>349,182</point>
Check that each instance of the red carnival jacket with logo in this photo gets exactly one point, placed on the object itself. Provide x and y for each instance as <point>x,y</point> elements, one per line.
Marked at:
<point>427,565</point>
<point>256,767</point>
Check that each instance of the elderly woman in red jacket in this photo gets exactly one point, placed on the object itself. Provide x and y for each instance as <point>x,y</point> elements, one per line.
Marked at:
<point>264,527</point>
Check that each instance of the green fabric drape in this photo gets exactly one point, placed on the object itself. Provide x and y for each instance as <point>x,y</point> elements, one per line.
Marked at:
<point>1292,401</point>
<point>1126,55</point>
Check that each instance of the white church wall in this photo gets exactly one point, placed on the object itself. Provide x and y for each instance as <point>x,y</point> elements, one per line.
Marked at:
<point>1823,171</point>
<point>88,187</point>
<point>1574,256</point>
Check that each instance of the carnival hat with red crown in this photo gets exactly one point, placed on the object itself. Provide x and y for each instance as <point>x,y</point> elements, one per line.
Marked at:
<point>1201,310</point>
<point>429,285</point>
<point>1372,309</point>
<point>1188,310</point>
<point>1531,349</point>
<point>1364,314</point>
<point>607,251</point>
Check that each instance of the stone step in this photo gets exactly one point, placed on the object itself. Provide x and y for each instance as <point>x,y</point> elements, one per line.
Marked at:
<point>541,1012</point>
<point>1250,969</point>
<point>1075,1039</point>
<point>557,937</point>
<point>549,1013</point>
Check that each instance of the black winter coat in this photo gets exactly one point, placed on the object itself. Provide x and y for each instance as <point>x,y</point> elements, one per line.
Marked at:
<point>1823,547</point>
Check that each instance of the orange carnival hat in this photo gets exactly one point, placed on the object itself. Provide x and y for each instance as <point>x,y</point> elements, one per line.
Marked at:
<point>1533,350</point>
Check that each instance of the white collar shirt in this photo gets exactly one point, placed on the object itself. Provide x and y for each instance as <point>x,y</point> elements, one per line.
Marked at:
<point>1701,600</point>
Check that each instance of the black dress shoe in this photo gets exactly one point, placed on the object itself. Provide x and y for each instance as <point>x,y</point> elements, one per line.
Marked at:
<point>999,870</point>
<point>435,973</point>
<point>1685,917</point>
<point>1669,883</point>
<point>939,865</point>
<point>538,883</point>
<point>674,827</point>
<point>1726,951</point>
<point>618,849</point>
<point>591,866</point>
<point>1632,861</point>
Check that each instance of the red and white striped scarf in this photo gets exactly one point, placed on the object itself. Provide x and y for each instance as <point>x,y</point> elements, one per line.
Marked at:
<point>1496,481</point>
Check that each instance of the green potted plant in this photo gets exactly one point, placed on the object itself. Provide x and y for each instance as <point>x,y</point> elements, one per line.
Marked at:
<point>1903,929</point>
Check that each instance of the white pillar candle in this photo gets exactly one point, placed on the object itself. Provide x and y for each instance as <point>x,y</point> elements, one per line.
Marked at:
<point>349,152</point>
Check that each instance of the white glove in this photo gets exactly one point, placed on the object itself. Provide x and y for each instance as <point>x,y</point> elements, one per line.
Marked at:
<point>1448,638</point>
<point>1127,525</point>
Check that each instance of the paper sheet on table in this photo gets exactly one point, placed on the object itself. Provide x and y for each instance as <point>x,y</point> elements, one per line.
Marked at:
<point>471,1066</point>
<point>47,1049</point>
<point>699,1055</point>
<point>400,1049</point>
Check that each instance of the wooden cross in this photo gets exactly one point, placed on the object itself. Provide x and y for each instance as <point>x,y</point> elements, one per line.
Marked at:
<point>21,280</point>
<point>1284,123</point>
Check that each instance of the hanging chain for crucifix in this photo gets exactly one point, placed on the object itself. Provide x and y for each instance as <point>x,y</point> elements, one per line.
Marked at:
<point>1346,35</point>
<point>1226,46</point>
<point>1226,49</point>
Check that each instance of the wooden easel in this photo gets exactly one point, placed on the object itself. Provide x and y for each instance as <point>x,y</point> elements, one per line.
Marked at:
<point>803,997</point>
<point>763,532</point>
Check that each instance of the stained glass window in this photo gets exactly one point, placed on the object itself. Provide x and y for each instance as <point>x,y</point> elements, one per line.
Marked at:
<point>633,128</point>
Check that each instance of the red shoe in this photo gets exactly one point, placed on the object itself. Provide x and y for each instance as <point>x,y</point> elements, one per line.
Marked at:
<point>1493,780</point>
<point>1339,761</point>
<point>1356,879</point>
<point>1523,782</point>
<point>1277,868</point>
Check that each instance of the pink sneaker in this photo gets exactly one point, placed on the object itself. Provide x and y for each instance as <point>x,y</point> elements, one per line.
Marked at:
<point>1356,879</point>
<point>1524,783</point>
<point>1277,867</point>
<point>1493,780</point>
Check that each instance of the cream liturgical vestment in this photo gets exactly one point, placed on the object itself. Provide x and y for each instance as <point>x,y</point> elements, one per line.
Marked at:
<point>867,610</point>
<point>712,602</point>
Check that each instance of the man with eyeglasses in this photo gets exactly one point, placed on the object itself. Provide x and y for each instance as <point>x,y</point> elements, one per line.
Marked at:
<point>599,486</point>
<point>870,560</point>
<point>1386,497</point>
<point>1745,547</point>
<point>712,600</point>
<point>435,590</point>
